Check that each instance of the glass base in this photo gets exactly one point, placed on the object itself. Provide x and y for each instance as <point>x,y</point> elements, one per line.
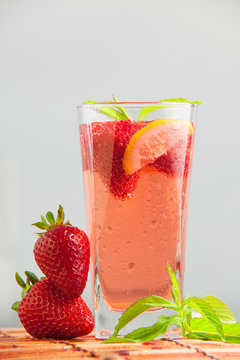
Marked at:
<point>106,319</point>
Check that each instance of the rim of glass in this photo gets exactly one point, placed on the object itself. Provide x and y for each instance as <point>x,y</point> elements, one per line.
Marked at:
<point>138,104</point>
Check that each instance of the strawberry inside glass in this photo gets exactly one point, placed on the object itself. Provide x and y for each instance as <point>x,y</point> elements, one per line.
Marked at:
<point>136,207</point>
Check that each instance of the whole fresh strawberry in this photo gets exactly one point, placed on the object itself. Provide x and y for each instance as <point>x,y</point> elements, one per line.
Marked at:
<point>46,312</point>
<point>62,253</point>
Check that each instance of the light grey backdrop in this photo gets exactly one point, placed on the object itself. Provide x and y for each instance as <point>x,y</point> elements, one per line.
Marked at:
<point>55,54</point>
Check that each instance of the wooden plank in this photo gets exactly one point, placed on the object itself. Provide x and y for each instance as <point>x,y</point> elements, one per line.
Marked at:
<point>17,344</point>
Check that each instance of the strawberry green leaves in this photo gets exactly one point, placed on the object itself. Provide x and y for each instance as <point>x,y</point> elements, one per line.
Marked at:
<point>49,217</point>
<point>215,320</point>
<point>26,286</point>
<point>50,221</point>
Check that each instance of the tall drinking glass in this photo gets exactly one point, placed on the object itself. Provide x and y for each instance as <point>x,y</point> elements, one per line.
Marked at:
<point>137,160</point>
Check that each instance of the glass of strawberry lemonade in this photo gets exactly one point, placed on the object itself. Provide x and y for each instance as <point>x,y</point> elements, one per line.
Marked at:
<point>136,160</point>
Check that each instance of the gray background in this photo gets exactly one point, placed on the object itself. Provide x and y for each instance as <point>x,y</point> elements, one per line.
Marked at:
<point>54,54</point>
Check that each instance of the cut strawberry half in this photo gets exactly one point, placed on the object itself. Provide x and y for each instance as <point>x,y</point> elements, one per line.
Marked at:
<point>122,185</point>
<point>153,141</point>
<point>109,141</point>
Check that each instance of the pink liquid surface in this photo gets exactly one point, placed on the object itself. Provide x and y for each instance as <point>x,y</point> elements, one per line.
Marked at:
<point>132,239</point>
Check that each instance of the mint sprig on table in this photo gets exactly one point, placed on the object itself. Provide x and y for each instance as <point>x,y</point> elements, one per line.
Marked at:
<point>199,318</point>
<point>121,113</point>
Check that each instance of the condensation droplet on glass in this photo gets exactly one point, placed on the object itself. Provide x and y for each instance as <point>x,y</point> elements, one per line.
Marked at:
<point>131,267</point>
<point>153,223</point>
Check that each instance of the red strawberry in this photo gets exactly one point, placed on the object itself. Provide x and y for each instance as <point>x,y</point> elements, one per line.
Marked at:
<point>63,253</point>
<point>123,185</point>
<point>46,312</point>
<point>109,141</point>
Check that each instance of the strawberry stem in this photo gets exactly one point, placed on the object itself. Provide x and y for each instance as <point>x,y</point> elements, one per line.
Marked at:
<point>50,217</point>
<point>20,281</point>
<point>15,305</point>
<point>60,216</point>
<point>49,222</point>
<point>31,277</point>
<point>26,286</point>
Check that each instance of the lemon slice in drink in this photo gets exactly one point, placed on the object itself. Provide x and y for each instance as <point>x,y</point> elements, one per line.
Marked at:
<point>154,140</point>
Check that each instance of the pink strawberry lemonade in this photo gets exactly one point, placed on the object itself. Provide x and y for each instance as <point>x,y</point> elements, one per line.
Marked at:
<point>137,223</point>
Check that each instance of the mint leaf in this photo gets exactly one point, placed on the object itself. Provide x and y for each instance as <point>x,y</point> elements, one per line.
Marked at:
<point>202,324</point>
<point>116,113</point>
<point>207,312</point>
<point>150,332</point>
<point>114,339</point>
<point>232,332</point>
<point>146,110</point>
<point>221,309</point>
<point>112,113</point>
<point>122,109</point>
<point>201,328</point>
<point>232,329</point>
<point>174,319</point>
<point>181,100</point>
<point>175,287</point>
<point>203,335</point>
<point>139,307</point>
<point>213,336</point>
<point>121,113</point>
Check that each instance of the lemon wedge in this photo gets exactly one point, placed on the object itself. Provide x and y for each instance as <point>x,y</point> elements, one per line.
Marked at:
<point>153,141</point>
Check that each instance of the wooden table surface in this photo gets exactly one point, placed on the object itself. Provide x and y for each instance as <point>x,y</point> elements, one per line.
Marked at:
<point>17,344</point>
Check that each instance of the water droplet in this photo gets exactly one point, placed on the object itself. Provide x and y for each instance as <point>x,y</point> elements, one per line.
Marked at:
<point>109,228</point>
<point>131,267</point>
<point>153,223</point>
